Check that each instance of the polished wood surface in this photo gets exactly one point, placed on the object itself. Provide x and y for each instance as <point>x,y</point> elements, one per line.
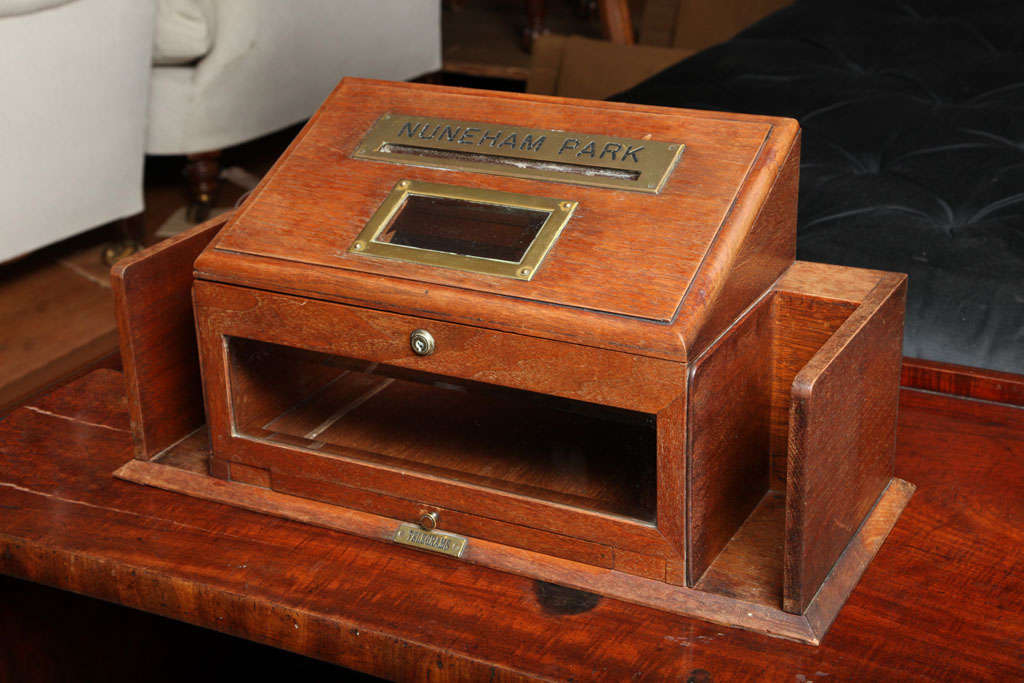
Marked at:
<point>841,438</point>
<point>276,382</point>
<point>543,499</point>
<point>293,425</point>
<point>960,380</point>
<point>752,557</point>
<point>94,641</point>
<point>55,317</point>
<point>512,360</point>
<point>745,262</point>
<point>153,302</point>
<point>943,599</point>
<point>627,261</point>
<point>510,442</point>
<point>727,449</point>
<point>268,394</point>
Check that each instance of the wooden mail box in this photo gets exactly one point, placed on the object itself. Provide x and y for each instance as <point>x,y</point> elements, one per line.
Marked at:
<point>560,338</point>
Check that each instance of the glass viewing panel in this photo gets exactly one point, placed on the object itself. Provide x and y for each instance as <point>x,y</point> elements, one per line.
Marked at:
<point>456,226</point>
<point>464,228</point>
<point>553,449</point>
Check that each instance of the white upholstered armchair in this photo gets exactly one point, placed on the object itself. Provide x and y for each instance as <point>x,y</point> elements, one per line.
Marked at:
<point>228,71</point>
<point>86,93</point>
<point>74,80</point>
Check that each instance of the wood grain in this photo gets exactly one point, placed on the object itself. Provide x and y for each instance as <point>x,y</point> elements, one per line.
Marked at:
<point>842,430</point>
<point>809,303</point>
<point>801,325</point>
<point>749,567</point>
<point>494,439</point>
<point>713,490</point>
<point>755,246</point>
<point>360,603</point>
<point>54,322</point>
<point>480,355</point>
<point>535,427</point>
<point>153,301</point>
<point>727,436</point>
<point>305,215</point>
<point>959,380</point>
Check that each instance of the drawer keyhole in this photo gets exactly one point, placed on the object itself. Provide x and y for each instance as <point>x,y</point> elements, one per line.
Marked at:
<point>421,342</point>
<point>428,521</point>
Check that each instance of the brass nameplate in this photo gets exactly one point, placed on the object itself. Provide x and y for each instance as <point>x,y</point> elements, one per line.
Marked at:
<point>536,153</point>
<point>438,541</point>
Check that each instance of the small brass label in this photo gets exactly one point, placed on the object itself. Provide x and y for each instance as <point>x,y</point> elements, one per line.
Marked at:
<point>438,541</point>
<point>536,153</point>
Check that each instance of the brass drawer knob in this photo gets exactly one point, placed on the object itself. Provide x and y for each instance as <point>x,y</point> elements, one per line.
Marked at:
<point>428,521</point>
<point>422,342</point>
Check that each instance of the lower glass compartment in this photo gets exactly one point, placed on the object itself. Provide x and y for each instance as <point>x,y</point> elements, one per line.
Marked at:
<point>554,449</point>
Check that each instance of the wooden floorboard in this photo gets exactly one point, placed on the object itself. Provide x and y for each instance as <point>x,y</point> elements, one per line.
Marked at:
<point>54,320</point>
<point>56,307</point>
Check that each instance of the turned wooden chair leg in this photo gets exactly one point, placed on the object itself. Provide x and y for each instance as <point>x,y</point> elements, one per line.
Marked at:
<point>132,239</point>
<point>202,178</point>
<point>618,25</point>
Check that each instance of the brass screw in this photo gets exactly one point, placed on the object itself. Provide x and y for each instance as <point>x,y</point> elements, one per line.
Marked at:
<point>524,271</point>
<point>404,184</point>
<point>358,246</point>
<point>565,205</point>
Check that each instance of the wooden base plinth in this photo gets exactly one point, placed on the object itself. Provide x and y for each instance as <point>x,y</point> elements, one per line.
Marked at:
<point>185,475</point>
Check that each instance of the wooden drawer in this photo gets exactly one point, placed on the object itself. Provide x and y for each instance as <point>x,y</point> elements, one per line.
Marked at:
<point>576,372</point>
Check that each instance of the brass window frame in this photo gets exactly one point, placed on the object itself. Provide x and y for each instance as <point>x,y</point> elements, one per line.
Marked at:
<point>559,212</point>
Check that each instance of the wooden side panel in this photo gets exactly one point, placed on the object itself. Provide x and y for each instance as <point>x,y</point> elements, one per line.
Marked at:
<point>811,301</point>
<point>842,434</point>
<point>743,263</point>
<point>801,324</point>
<point>727,427</point>
<point>152,296</point>
<point>671,474</point>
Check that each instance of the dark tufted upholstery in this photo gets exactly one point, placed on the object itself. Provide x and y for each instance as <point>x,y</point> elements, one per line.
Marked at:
<point>913,150</point>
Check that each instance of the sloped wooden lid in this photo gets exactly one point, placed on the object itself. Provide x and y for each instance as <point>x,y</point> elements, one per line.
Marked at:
<point>625,260</point>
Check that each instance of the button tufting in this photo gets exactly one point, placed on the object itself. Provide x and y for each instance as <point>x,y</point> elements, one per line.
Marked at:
<point>913,150</point>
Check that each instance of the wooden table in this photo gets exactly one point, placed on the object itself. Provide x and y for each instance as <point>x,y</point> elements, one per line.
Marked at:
<point>944,598</point>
